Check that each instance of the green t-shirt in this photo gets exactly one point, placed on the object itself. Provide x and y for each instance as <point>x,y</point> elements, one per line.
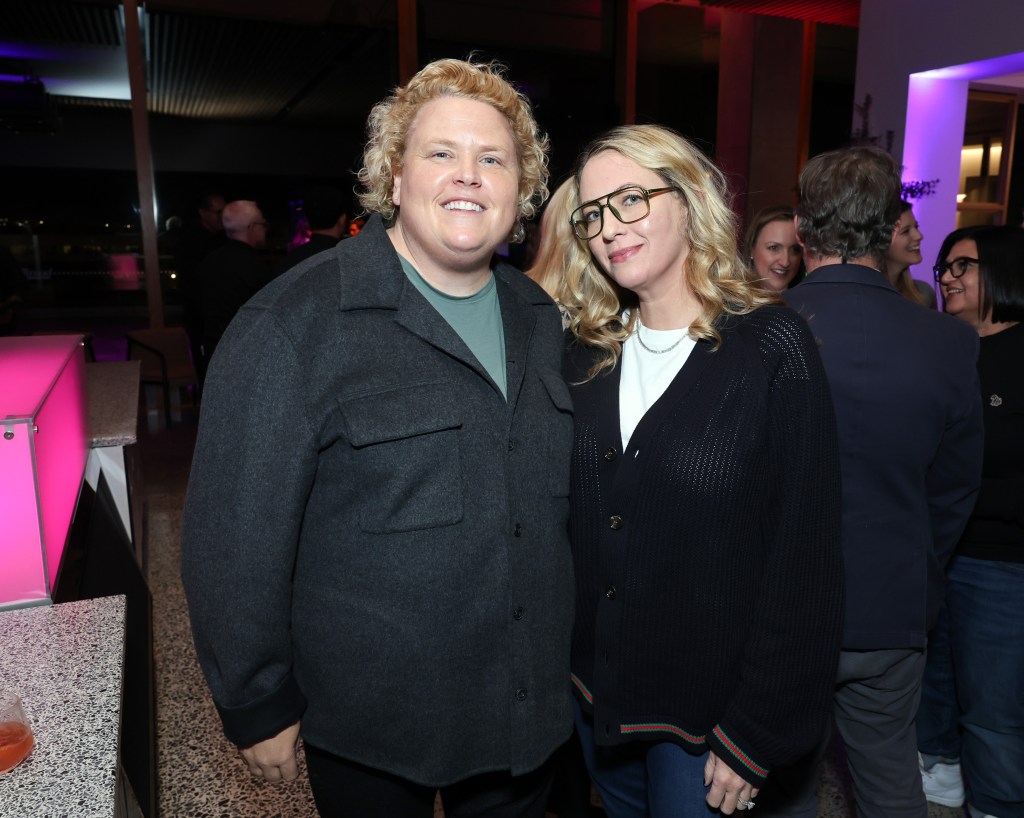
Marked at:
<point>476,318</point>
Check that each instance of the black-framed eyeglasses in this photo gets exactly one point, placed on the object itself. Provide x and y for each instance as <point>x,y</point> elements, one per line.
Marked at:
<point>628,205</point>
<point>957,267</point>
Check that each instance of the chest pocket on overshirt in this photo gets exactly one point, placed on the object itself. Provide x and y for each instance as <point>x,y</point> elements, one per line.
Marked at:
<point>406,453</point>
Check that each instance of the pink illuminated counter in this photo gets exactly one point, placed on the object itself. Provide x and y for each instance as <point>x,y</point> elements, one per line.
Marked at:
<point>43,449</point>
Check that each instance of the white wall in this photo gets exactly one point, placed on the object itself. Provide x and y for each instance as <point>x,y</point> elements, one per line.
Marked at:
<point>903,37</point>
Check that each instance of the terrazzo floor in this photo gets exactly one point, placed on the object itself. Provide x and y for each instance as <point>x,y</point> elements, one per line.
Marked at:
<point>200,774</point>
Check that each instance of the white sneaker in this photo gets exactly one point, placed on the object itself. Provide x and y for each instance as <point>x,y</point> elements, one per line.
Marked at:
<point>943,783</point>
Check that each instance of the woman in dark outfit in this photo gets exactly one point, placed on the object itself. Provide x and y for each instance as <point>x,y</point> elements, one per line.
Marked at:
<point>972,700</point>
<point>705,500</point>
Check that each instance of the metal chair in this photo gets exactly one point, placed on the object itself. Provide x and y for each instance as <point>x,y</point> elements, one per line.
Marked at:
<point>166,362</point>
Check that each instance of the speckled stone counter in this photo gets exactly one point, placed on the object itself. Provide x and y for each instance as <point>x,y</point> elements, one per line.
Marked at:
<point>65,661</point>
<point>113,402</point>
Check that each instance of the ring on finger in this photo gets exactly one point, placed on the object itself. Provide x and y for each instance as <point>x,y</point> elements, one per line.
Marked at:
<point>744,804</point>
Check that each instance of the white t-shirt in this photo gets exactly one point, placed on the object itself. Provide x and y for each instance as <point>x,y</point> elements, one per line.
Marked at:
<point>646,375</point>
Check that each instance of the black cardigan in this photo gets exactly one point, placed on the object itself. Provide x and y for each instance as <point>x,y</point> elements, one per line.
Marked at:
<point>708,569</point>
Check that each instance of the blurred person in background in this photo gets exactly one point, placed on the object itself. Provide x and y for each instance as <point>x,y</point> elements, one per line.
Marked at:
<point>774,254</point>
<point>191,244</point>
<point>904,251</point>
<point>905,391</point>
<point>326,212</point>
<point>234,272</point>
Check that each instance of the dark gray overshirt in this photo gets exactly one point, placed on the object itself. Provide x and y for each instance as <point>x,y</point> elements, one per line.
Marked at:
<point>374,539</point>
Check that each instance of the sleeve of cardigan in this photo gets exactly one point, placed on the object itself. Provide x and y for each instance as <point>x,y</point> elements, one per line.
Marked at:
<point>251,474</point>
<point>783,702</point>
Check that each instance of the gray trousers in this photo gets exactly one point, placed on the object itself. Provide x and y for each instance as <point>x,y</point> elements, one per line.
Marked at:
<point>876,699</point>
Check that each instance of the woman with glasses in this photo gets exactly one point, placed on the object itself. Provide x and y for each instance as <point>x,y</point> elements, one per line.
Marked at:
<point>903,252</point>
<point>972,705</point>
<point>705,492</point>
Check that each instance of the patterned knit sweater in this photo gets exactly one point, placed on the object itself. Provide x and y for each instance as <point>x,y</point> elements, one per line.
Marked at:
<point>709,588</point>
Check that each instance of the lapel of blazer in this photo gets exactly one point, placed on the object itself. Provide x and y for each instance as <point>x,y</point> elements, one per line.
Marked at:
<point>372,278</point>
<point>518,319</point>
<point>418,316</point>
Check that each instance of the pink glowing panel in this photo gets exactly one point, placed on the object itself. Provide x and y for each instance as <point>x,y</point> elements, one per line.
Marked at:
<point>44,419</point>
<point>931,152</point>
<point>21,544</point>
<point>980,70</point>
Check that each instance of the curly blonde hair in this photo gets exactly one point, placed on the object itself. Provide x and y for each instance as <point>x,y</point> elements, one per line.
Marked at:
<point>714,272</point>
<point>390,120</point>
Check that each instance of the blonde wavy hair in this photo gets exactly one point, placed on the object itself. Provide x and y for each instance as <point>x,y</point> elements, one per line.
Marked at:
<point>714,272</point>
<point>556,236</point>
<point>390,120</point>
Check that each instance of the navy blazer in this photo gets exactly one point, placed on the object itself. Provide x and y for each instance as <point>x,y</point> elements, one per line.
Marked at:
<point>905,388</point>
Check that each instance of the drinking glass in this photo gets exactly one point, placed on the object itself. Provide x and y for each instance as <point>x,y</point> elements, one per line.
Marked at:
<point>16,739</point>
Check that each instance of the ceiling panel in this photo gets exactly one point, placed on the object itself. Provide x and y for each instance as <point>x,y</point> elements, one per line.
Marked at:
<point>213,67</point>
<point>286,61</point>
<point>68,23</point>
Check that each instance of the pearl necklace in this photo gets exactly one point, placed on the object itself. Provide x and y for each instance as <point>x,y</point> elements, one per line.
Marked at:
<point>640,338</point>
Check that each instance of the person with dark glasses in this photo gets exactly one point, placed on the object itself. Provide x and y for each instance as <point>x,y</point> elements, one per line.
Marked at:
<point>969,719</point>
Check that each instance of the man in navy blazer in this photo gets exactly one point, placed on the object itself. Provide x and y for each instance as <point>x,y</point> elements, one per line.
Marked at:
<point>907,404</point>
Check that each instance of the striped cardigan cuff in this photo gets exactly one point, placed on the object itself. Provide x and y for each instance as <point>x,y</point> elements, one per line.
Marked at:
<point>737,757</point>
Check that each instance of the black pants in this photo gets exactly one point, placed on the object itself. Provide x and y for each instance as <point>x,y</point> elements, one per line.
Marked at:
<point>344,789</point>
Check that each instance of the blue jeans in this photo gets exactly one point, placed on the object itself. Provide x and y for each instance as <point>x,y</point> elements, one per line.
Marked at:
<point>644,779</point>
<point>976,659</point>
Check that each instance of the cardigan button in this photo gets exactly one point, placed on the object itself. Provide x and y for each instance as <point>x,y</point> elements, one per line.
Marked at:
<point>615,522</point>
<point>611,453</point>
<point>521,694</point>
<point>517,530</point>
<point>610,592</point>
<point>517,612</point>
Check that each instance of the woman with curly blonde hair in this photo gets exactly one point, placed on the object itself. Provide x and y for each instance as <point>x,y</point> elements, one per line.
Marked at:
<point>705,492</point>
<point>375,547</point>
<point>392,118</point>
